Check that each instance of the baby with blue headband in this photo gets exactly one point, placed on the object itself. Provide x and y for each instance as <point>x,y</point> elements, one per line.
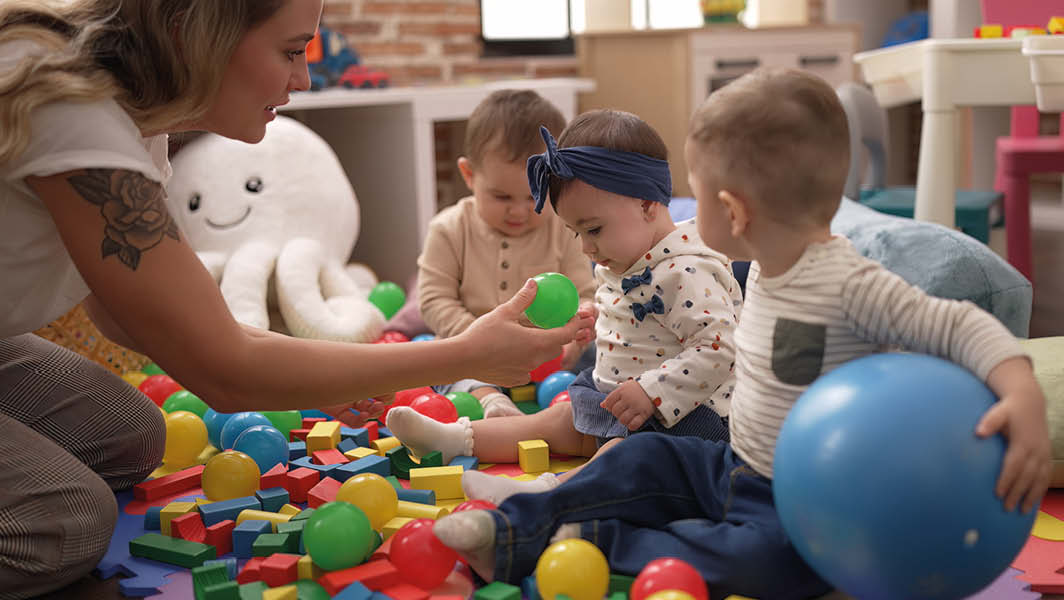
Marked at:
<point>666,305</point>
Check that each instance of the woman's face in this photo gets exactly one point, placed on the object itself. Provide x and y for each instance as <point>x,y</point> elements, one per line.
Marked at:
<point>269,62</point>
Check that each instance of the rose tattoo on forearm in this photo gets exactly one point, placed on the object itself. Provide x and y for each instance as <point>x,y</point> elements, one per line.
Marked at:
<point>134,208</point>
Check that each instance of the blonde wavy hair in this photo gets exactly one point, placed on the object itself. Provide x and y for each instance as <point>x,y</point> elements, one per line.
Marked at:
<point>161,60</point>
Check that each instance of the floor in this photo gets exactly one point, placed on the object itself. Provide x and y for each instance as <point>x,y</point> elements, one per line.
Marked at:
<point>1047,319</point>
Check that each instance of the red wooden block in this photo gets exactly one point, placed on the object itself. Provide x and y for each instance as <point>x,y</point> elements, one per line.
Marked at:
<point>189,527</point>
<point>308,422</point>
<point>446,597</point>
<point>298,435</point>
<point>405,591</point>
<point>220,535</point>
<point>383,550</point>
<point>375,575</point>
<point>372,430</point>
<point>1042,563</point>
<point>324,492</point>
<point>280,569</point>
<point>275,477</point>
<point>183,480</point>
<point>252,571</point>
<point>332,456</point>
<point>300,481</point>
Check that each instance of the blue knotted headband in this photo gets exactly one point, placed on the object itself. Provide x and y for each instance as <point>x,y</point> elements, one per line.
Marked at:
<point>625,173</point>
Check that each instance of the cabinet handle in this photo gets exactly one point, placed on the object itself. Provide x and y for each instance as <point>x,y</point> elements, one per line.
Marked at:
<point>818,61</point>
<point>743,63</point>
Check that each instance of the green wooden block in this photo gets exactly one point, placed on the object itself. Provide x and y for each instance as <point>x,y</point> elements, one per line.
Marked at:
<point>401,462</point>
<point>303,515</point>
<point>528,407</point>
<point>498,590</point>
<point>205,576</point>
<point>272,543</point>
<point>392,479</point>
<point>617,596</point>
<point>292,527</point>
<point>620,583</point>
<point>253,590</point>
<point>229,590</point>
<point>170,550</point>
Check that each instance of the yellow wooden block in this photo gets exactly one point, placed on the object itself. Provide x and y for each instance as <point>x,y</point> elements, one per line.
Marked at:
<point>172,511</point>
<point>417,510</point>
<point>450,504</point>
<point>323,436</point>
<point>523,393</point>
<point>203,501</point>
<point>991,31</point>
<point>290,509</point>
<point>383,445</point>
<point>445,481</point>
<point>1056,25</point>
<point>307,568</point>
<point>393,525</point>
<point>287,592</point>
<point>261,515</point>
<point>533,456</point>
<point>360,452</point>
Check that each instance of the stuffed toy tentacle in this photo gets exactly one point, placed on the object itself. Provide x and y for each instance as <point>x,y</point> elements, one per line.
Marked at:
<point>245,280</point>
<point>301,269</point>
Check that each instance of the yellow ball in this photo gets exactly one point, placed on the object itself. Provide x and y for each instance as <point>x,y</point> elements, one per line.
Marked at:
<point>374,495</point>
<point>670,595</point>
<point>575,568</point>
<point>134,378</point>
<point>229,475</point>
<point>186,436</point>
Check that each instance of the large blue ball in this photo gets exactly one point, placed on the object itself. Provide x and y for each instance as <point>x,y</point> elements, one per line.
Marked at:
<point>883,487</point>
<point>237,423</point>
<point>555,383</point>
<point>214,421</point>
<point>265,444</point>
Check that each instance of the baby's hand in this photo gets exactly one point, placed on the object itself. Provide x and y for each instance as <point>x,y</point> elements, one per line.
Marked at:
<point>1020,416</point>
<point>571,353</point>
<point>630,404</point>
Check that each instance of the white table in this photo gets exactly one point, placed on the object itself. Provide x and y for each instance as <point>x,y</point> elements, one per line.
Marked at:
<point>384,139</point>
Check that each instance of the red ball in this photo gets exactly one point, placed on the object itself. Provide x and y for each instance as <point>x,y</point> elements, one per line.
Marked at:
<point>474,505</point>
<point>668,574</point>
<point>420,556</point>
<point>159,388</point>
<point>404,398</point>
<point>391,337</point>
<point>560,397</point>
<point>435,406</point>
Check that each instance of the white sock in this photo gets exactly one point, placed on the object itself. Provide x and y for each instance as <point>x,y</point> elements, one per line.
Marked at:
<point>422,435</point>
<point>496,489</point>
<point>497,404</point>
<point>472,534</point>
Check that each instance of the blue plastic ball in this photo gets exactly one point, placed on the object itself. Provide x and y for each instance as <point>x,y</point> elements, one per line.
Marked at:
<point>555,383</point>
<point>214,421</point>
<point>883,487</point>
<point>265,444</point>
<point>237,423</point>
<point>424,337</point>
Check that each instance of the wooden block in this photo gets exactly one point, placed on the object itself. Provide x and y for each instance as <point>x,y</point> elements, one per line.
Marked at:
<point>260,515</point>
<point>419,496</point>
<point>164,548</point>
<point>324,435</point>
<point>274,478</point>
<point>299,483</point>
<point>375,575</point>
<point>310,422</point>
<point>208,575</point>
<point>498,590</point>
<point>245,534</point>
<point>383,445</point>
<point>269,544</point>
<point>251,571</point>
<point>288,592</point>
<point>533,456</point>
<point>445,481</point>
<point>174,483</point>
<point>280,569</point>
<point>189,526</point>
<point>372,430</point>
<point>394,524</point>
<point>402,461</point>
<point>290,509</point>
<point>469,463</point>
<point>220,535</point>
<point>324,491</point>
<point>523,393</point>
<point>174,509</point>
<point>360,452</point>
<point>405,591</point>
<point>228,510</point>
<point>307,569</point>
<point>272,499</point>
<point>331,456</point>
<point>371,464</point>
<point>228,590</point>
<point>415,510</point>
<point>298,435</point>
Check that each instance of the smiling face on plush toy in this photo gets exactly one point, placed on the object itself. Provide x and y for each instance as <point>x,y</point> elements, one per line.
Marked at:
<point>289,185</point>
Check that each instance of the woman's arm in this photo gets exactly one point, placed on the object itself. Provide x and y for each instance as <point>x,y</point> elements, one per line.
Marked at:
<point>124,243</point>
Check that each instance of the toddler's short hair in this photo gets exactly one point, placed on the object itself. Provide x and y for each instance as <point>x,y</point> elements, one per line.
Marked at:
<point>508,122</point>
<point>779,136</point>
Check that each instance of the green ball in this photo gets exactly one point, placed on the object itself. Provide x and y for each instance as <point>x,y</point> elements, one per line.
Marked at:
<point>388,297</point>
<point>467,405</point>
<point>556,301</point>
<point>185,400</point>
<point>337,536</point>
<point>311,590</point>
<point>153,369</point>
<point>284,421</point>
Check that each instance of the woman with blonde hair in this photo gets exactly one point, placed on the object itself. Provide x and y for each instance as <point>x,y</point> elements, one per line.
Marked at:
<point>88,91</point>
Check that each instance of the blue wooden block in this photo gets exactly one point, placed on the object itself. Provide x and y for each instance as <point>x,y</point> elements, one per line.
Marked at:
<point>380,596</point>
<point>355,591</point>
<point>323,470</point>
<point>529,589</point>
<point>468,463</point>
<point>359,435</point>
<point>230,565</point>
<point>297,449</point>
<point>151,518</point>
<point>419,496</point>
<point>384,432</point>
<point>216,512</point>
<point>245,534</point>
<point>370,464</point>
<point>272,499</point>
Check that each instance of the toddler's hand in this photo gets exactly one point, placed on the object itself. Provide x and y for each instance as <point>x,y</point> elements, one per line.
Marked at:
<point>630,404</point>
<point>571,353</point>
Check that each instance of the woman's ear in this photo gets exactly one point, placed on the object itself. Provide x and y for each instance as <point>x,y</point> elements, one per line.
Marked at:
<point>738,211</point>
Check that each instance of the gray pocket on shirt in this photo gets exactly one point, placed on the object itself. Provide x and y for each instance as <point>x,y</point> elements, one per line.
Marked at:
<point>797,351</point>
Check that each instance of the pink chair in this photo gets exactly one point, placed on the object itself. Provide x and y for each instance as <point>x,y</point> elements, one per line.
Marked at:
<point>1019,155</point>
